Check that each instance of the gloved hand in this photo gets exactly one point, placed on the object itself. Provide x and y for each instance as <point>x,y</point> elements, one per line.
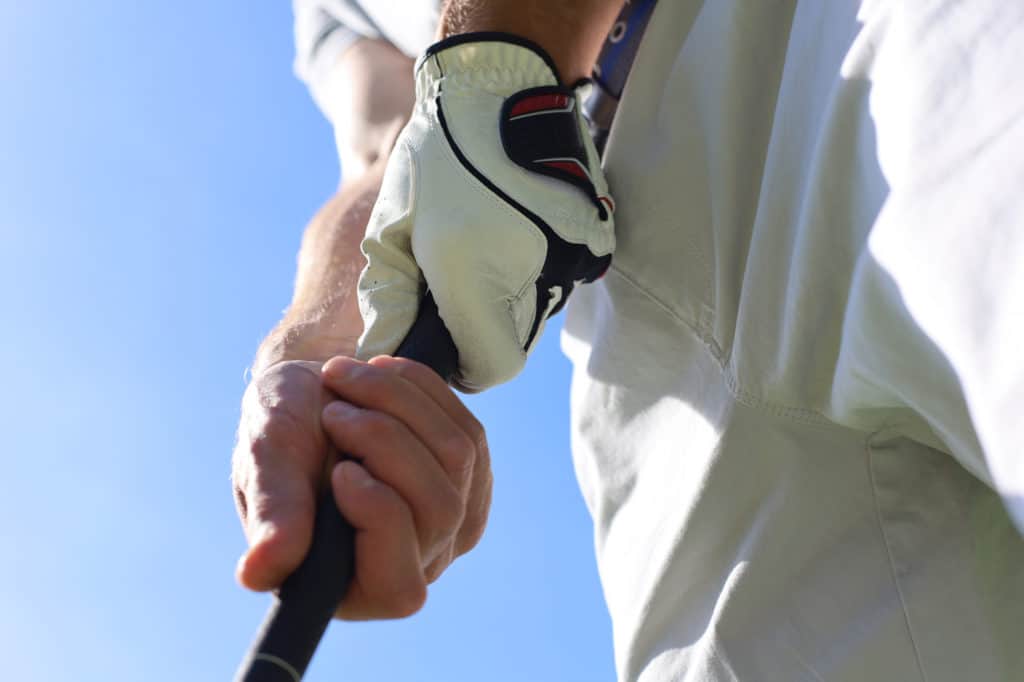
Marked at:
<point>493,199</point>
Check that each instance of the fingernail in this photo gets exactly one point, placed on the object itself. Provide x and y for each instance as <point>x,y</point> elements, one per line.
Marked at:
<point>355,474</point>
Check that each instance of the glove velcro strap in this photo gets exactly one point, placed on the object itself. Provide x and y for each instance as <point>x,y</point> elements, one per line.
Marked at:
<point>540,131</point>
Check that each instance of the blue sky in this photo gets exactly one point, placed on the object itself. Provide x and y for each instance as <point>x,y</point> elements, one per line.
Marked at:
<point>157,164</point>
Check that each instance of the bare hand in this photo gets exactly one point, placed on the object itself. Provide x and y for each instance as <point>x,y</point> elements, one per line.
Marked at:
<point>418,499</point>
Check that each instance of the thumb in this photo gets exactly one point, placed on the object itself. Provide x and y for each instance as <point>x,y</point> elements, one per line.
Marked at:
<point>390,286</point>
<point>280,503</point>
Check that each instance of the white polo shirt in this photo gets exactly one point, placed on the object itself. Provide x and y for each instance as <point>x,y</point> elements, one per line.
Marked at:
<point>802,378</point>
<point>802,375</point>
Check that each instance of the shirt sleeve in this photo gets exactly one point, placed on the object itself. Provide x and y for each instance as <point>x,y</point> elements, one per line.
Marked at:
<point>935,323</point>
<point>326,28</point>
<point>323,30</point>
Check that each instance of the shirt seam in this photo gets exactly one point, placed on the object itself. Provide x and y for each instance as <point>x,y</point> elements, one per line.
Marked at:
<point>739,394</point>
<point>888,551</point>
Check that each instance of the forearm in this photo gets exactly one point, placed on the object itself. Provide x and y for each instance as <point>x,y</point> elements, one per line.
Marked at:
<point>323,318</point>
<point>571,31</point>
<point>372,100</point>
<point>370,93</point>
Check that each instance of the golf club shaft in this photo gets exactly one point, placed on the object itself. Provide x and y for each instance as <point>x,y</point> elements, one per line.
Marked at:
<point>309,597</point>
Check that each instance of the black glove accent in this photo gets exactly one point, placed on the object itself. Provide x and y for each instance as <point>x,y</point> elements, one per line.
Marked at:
<point>540,131</point>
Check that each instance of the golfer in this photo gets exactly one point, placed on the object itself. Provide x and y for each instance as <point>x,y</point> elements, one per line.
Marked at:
<point>794,299</point>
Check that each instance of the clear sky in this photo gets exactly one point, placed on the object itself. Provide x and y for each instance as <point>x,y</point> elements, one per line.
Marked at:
<point>157,164</point>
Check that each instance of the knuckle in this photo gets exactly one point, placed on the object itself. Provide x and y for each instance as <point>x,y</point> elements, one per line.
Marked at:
<point>374,389</point>
<point>483,459</point>
<point>475,523</point>
<point>458,453</point>
<point>469,540</point>
<point>371,385</point>
<point>241,505</point>
<point>409,599</point>
<point>408,369</point>
<point>278,426</point>
<point>264,448</point>
<point>374,426</point>
<point>390,510</point>
<point>446,513</point>
<point>473,532</point>
<point>240,466</point>
<point>262,505</point>
<point>437,567</point>
<point>477,433</point>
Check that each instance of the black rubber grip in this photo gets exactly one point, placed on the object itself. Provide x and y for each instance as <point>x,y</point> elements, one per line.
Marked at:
<point>297,619</point>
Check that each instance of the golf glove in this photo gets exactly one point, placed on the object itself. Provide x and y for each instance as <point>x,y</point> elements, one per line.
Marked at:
<point>493,199</point>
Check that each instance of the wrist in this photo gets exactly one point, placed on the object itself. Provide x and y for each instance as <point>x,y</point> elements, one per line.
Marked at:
<point>302,341</point>
<point>570,32</point>
<point>492,62</point>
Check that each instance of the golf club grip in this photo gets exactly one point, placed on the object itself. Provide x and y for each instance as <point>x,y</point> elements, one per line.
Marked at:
<point>309,597</point>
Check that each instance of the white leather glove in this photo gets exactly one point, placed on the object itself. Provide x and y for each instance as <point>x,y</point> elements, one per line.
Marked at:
<point>493,199</point>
